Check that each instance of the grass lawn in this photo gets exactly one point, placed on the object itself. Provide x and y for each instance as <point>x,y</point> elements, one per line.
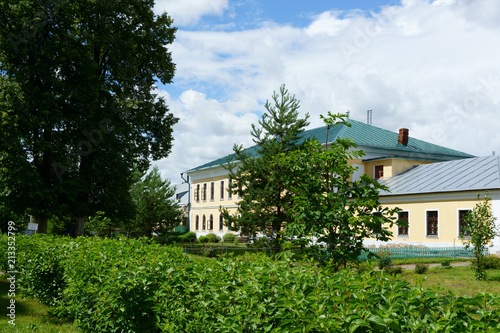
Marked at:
<point>31,316</point>
<point>459,280</point>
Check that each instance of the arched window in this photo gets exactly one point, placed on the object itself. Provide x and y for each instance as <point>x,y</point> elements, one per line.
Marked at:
<point>204,222</point>
<point>197,225</point>
<point>211,222</point>
<point>221,222</point>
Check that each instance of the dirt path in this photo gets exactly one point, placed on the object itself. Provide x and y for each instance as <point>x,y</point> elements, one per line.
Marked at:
<point>454,264</point>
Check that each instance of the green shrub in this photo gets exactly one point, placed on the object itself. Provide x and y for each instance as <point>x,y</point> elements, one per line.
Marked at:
<point>229,237</point>
<point>492,262</point>
<point>188,236</point>
<point>445,263</point>
<point>203,239</point>
<point>213,238</point>
<point>384,259</point>
<point>262,241</point>
<point>421,268</point>
<point>393,270</point>
<point>133,285</point>
<point>168,238</point>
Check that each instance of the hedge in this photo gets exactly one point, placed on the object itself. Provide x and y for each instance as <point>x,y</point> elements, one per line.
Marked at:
<point>129,285</point>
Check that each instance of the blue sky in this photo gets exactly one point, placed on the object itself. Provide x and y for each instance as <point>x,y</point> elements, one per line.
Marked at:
<point>427,65</point>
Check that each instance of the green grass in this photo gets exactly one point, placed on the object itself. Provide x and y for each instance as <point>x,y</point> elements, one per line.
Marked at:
<point>31,316</point>
<point>458,280</point>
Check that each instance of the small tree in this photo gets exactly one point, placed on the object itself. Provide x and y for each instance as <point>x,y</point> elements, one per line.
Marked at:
<point>156,210</point>
<point>330,206</point>
<point>481,229</point>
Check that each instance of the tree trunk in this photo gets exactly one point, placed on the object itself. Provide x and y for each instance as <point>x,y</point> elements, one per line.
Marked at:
<point>79,225</point>
<point>42,225</point>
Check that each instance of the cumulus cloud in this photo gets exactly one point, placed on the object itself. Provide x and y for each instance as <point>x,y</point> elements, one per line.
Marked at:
<point>189,12</point>
<point>431,66</point>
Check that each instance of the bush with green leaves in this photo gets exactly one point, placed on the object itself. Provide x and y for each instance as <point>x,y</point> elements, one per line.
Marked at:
<point>188,236</point>
<point>229,237</point>
<point>421,268</point>
<point>133,285</point>
<point>213,238</point>
<point>203,239</point>
<point>492,262</point>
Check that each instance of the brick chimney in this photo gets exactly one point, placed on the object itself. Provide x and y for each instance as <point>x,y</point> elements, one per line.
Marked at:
<point>403,136</point>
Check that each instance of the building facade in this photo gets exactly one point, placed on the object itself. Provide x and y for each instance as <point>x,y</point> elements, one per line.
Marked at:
<point>396,160</point>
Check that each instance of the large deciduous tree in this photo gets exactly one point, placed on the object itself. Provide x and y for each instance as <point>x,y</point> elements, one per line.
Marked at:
<point>328,205</point>
<point>81,107</point>
<point>265,202</point>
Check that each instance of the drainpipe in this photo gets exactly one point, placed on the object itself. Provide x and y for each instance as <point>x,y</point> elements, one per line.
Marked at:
<point>189,201</point>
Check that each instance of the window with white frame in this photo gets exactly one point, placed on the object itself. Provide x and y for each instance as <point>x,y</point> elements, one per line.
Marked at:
<point>211,222</point>
<point>222,189</point>
<point>221,222</point>
<point>204,192</point>
<point>197,193</point>
<point>212,191</point>
<point>197,223</point>
<point>404,217</point>
<point>432,217</point>
<point>462,213</point>
<point>203,222</point>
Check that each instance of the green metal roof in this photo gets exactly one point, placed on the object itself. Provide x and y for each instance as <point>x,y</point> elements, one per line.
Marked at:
<point>366,136</point>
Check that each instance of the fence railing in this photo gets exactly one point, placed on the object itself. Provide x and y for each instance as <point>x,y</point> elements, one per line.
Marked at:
<point>422,252</point>
<point>395,253</point>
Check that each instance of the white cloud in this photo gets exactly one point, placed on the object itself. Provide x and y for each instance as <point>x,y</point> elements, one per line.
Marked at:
<point>429,66</point>
<point>188,12</point>
<point>327,23</point>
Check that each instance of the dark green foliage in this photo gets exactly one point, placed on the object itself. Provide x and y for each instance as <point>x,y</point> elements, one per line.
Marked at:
<point>262,241</point>
<point>492,262</point>
<point>203,239</point>
<point>156,211</point>
<point>265,199</point>
<point>445,264</point>
<point>229,237</point>
<point>133,285</point>
<point>188,236</point>
<point>393,270</point>
<point>213,238</point>
<point>77,104</point>
<point>421,268</point>
<point>328,205</point>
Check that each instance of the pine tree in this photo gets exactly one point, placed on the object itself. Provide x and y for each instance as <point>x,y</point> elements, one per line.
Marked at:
<point>264,205</point>
<point>156,210</point>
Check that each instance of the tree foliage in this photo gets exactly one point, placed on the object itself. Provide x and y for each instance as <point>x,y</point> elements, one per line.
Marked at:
<point>328,204</point>
<point>481,229</point>
<point>78,109</point>
<point>157,212</point>
<point>259,182</point>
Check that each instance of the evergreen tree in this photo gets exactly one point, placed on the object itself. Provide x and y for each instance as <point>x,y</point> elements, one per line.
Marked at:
<point>157,211</point>
<point>258,181</point>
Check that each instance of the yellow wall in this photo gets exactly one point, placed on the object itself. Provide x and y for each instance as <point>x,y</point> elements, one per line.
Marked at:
<point>448,231</point>
<point>392,166</point>
<point>210,206</point>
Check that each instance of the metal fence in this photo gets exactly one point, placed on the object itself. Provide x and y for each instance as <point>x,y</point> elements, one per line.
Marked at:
<point>422,252</point>
<point>395,253</point>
